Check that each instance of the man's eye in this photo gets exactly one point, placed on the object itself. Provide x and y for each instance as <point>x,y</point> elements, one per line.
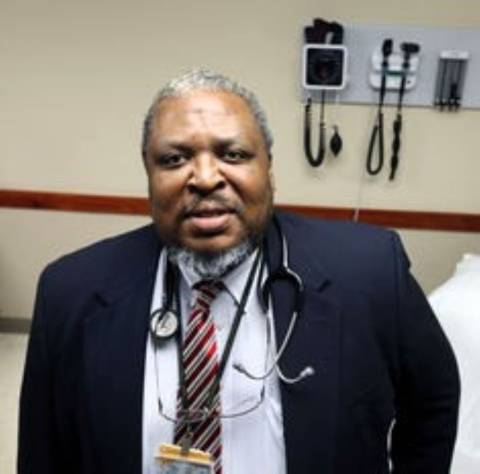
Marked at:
<point>236,155</point>
<point>171,160</point>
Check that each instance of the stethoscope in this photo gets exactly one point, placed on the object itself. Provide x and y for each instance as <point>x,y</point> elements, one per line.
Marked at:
<point>165,322</point>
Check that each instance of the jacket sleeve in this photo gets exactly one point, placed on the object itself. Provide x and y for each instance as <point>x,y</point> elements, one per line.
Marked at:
<point>36,443</point>
<point>428,388</point>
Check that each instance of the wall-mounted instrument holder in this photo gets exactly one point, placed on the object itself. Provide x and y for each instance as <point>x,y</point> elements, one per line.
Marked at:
<point>324,70</point>
<point>394,71</point>
<point>451,74</point>
<point>364,42</point>
<point>387,65</point>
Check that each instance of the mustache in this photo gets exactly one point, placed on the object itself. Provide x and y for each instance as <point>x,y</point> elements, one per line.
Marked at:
<point>216,201</point>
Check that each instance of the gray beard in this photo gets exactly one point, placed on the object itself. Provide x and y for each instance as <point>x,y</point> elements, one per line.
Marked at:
<point>211,266</point>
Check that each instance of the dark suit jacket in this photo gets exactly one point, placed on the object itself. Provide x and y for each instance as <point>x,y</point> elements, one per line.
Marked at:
<point>365,326</point>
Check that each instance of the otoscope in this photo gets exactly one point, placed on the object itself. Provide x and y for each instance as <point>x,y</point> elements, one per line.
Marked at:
<point>387,48</point>
<point>408,50</point>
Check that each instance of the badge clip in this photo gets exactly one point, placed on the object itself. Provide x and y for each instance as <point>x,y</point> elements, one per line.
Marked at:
<point>186,444</point>
<point>172,460</point>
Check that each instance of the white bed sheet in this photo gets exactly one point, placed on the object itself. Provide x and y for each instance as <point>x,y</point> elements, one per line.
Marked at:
<point>457,306</point>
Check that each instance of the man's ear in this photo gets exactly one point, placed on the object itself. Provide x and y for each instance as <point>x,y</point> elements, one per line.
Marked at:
<point>149,189</point>
<point>147,163</point>
<point>144,159</point>
<point>271,176</point>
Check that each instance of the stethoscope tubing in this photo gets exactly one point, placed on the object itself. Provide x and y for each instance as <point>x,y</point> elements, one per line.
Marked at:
<point>282,272</point>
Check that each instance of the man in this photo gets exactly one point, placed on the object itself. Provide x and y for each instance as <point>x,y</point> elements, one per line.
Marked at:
<point>364,366</point>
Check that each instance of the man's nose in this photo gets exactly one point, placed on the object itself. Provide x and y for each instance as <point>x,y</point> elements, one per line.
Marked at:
<point>206,174</point>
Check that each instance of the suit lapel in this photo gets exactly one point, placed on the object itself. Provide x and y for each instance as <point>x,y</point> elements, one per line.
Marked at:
<point>114,354</point>
<point>310,406</point>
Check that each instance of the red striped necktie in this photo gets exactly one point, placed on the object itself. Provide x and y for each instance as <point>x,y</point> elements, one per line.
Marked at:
<point>200,362</point>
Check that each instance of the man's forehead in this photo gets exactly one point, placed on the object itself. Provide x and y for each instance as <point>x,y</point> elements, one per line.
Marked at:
<point>223,113</point>
<point>204,101</point>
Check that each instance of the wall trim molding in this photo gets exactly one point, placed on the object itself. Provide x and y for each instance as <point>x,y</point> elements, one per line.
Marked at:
<point>129,205</point>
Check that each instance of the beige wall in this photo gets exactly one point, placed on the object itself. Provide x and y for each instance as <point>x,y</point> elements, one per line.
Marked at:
<point>78,76</point>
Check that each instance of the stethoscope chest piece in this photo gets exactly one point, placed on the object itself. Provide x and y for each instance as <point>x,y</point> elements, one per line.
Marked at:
<point>163,324</point>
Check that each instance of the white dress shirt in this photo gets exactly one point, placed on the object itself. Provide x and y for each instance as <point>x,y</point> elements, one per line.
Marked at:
<point>253,442</point>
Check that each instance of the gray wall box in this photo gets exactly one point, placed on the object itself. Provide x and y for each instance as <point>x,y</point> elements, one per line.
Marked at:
<point>362,41</point>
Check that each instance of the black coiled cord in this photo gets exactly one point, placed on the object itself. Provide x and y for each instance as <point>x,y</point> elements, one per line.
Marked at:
<point>307,135</point>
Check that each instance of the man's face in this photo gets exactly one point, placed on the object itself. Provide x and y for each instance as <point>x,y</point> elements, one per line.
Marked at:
<point>209,172</point>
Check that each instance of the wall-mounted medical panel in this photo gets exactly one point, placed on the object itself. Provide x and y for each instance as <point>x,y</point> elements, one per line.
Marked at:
<point>364,45</point>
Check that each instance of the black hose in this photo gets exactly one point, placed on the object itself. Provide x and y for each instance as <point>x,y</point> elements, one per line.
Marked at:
<point>307,135</point>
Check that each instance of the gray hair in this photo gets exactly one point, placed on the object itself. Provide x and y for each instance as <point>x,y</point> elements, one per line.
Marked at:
<point>203,79</point>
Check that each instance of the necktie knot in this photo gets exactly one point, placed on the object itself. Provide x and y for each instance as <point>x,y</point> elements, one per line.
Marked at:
<point>207,291</point>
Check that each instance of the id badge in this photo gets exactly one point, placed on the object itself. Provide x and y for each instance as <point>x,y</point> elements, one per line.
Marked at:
<point>171,460</point>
